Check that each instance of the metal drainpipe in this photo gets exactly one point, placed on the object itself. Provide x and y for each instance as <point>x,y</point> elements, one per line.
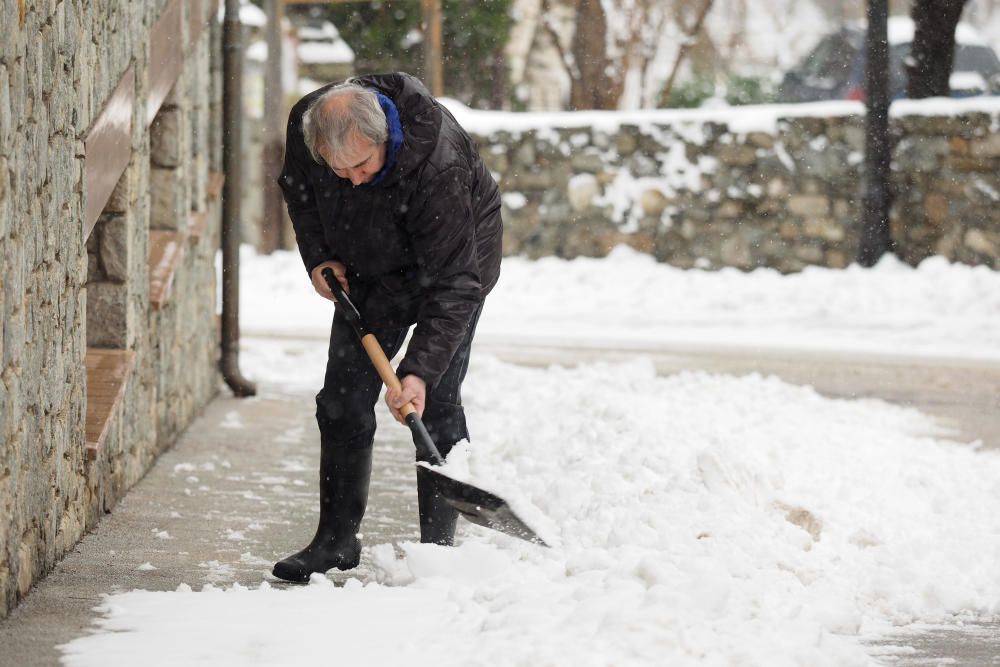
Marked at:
<point>232,136</point>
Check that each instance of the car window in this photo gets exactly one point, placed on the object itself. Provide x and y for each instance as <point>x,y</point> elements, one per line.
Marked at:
<point>980,59</point>
<point>968,58</point>
<point>831,59</point>
<point>898,53</point>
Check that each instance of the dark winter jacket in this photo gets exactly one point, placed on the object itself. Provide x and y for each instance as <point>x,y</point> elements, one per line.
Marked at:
<point>423,245</point>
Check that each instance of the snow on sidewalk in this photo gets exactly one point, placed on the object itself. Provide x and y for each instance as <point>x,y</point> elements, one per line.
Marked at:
<point>696,519</point>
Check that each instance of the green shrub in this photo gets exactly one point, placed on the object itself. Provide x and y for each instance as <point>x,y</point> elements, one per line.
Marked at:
<point>691,93</point>
<point>473,33</point>
<point>749,90</point>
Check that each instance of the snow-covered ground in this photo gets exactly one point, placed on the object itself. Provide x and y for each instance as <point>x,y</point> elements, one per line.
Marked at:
<point>629,300</point>
<point>695,519</point>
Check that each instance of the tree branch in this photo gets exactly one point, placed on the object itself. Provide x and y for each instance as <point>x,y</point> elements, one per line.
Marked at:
<point>686,45</point>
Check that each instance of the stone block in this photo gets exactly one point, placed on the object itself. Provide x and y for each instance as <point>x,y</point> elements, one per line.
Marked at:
<point>643,166</point>
<point>776,187</point>
<point>964,125</point>
<point>524,154</point>
<point>854,136</point>
<point>809,253</point>
<point>644,242</point>
<point>166,194</point>
<point>121,197</point>
<point>107,314</point>
<point>94,271</point>
<point>555,214</point>
<point>760,140</point>
<point>959,146</point>
<point>988,147</point>
<point>977,164</point>
<point>806,126</point>
<point>6,126</point>
<point>841,209</point>
<point>496,161</point>
<point>601,140</point>
<point>528,180</point>
<point>736,155</point>
<point>653,202</point>
<point>587,162</point>
<point>114,248</point>
<point>4,187</point>
<point>735,251</point>
<point>606,178</point>
<point>836,259</point>
<point>809,205</point>
<point>627,140</point>
<point>983,242</point>
<point>712,132</point>
<point>581,191</point>
<point>688,229</point>
<point>769,208</point>
<point>917,156</point>
<point>937,208</point>
<point>731,209</point>
<point>165,140</point>
<point>824,228</point>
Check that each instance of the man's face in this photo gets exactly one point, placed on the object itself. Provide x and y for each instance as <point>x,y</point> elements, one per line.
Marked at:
<point>358,162</point>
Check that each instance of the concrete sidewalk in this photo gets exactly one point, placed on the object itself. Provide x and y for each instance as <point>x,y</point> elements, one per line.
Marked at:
<point>238,490</point>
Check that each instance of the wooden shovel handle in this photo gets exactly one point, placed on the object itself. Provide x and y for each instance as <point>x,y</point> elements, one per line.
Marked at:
<point>368,340</point>
<point>381,363</point>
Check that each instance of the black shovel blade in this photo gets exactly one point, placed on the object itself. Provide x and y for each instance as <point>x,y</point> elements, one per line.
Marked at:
<point>479,506</point>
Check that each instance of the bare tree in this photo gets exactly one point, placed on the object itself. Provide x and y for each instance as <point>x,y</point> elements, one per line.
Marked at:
<point>933,52</point>
<point>595,80</point>
<point>690,35</point>
<point>645,33</point>
<point>598,84</point>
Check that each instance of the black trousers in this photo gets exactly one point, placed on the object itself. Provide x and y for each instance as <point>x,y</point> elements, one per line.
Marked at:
<point>345,407</point>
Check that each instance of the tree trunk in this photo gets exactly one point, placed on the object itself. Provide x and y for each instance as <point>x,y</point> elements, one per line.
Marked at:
<point>933,52</point>
<point>593,88</point>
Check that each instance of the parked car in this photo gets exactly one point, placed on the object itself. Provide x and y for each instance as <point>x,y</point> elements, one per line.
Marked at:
<point>835,69</point>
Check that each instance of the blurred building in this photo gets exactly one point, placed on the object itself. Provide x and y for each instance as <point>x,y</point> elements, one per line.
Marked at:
<point>323,56</point>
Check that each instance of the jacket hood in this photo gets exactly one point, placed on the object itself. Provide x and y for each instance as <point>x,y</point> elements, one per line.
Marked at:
<point>419,114</point>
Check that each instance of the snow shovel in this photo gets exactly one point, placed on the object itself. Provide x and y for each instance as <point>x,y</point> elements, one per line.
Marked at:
<point>477,505</point>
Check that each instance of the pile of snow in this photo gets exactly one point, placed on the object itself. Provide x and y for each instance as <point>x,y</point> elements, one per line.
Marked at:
<point>696,519</point>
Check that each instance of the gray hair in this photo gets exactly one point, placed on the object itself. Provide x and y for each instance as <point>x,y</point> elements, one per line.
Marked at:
<point>331,126</point>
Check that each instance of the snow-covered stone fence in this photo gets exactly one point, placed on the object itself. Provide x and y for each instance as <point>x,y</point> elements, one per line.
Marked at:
<point>109,137</point>
<point>777,186</point>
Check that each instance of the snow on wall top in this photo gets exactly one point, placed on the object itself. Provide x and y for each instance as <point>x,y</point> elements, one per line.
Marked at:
<point>743,119</point>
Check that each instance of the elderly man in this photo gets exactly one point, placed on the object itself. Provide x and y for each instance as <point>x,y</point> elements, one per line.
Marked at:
<point>386,189</point>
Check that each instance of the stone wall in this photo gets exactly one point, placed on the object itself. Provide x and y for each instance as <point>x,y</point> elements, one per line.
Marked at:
<point>65,289</point>
<point>745,187</point>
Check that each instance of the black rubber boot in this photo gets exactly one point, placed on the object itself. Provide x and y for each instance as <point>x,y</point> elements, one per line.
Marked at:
<point>437,517</point>
<point>343,487</point>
